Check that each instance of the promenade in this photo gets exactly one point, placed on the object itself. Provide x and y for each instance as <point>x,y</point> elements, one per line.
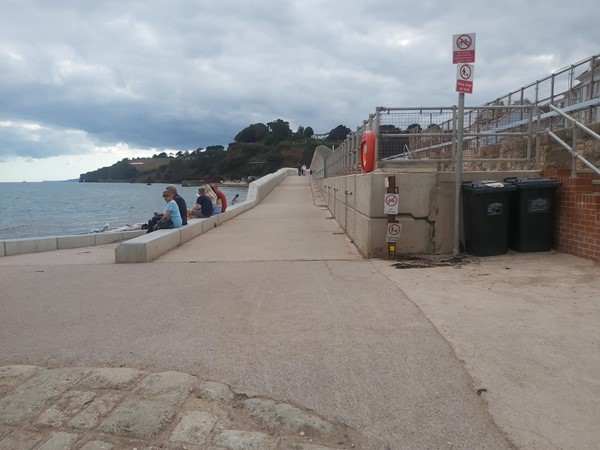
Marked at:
<point>271,332</point>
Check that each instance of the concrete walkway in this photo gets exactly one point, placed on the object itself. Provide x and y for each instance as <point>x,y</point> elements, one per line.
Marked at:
<point>277,307</point>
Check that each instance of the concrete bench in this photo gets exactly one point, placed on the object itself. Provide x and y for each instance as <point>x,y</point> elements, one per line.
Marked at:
<point>150,246</point>
<point>11,247</point>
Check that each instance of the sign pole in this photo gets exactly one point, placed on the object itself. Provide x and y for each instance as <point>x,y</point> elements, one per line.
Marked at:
<point>458,170</point>
<point>463,54</point>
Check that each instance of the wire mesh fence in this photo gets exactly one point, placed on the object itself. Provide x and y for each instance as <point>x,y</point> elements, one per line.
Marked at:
<point>505,130</point>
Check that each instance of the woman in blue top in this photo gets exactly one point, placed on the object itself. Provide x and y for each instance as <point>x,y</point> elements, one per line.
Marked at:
<point>170,218</point>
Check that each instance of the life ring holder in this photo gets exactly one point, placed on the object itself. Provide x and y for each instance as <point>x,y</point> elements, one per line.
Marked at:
<point>367,151</point>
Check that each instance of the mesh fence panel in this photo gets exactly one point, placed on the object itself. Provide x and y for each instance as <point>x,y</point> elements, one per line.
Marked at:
<point>501,129</point>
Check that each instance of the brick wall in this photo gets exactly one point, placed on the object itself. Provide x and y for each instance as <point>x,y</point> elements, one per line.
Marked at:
<point>577,229</point>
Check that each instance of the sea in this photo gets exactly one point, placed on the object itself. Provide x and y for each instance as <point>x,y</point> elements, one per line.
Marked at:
<point>59,208</point>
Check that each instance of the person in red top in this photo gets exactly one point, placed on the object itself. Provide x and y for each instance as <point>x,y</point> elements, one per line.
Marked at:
<point>221,197</point>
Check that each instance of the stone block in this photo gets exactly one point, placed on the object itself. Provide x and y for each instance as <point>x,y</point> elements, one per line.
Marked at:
<point>90,417</point>
<point>82,240</point>
<point>33,245</point>
<point>132,234</point>
<point>69,405</point>
<point>351,191</point>
<point>107,238</point>
<point>209,223</point>
<point>244,440</point>
<point>15,375</point>
<point>415,191</point>
<point>59,441</point>
<point>37,393</point>
<point>148,247</point>
<point>194,427</point>
<point>97,445</point>
<point>111,378</point>
<point>369,194</point>
<point>21,440</point>
<point>282,415</point>
<point>341,214</point>
<point>191,230</point>
<point>415,237</point>
<point>227,215</point>
<point>300,446</point>
<point>150,406</point>
<point>215,391</point>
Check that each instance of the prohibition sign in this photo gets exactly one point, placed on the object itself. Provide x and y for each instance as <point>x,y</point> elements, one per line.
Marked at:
<point>465,72</point>
<point>464,42</point>
<point>463,48</point>
<point>391,200</point>
<point>393,231</point>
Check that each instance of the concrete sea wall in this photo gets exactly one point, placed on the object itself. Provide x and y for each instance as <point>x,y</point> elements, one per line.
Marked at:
<point>257,191</point>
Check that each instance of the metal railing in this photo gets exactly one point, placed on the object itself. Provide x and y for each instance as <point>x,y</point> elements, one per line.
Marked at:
<point>568,87</point>
<point>573,149</point>
<point>428,135</point>
<point>505,131</point>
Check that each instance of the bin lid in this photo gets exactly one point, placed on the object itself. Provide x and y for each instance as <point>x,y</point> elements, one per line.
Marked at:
<point>533,182</point>
<point>488,186</point>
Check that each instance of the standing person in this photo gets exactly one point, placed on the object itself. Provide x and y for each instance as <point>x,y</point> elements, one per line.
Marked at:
<point>235,199</point>
<point>221,197</point>
<point>203,207</point>
<point>180,202</point>
<point>299,170</point>
<point>303,169</point>
<point>170,217</point>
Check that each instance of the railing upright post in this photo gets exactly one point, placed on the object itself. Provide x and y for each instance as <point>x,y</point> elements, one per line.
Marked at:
<point>529,134</point>
<point>356,150</point>
<point>454,132</point>
<point>375,128</point>
<point>574,147</point>
<point>538,137</point>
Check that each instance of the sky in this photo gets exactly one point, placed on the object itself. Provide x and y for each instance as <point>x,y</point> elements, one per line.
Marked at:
<point>84,84</point>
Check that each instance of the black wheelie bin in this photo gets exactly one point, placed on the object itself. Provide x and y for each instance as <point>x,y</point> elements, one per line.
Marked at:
<point>532,213</point>
<point>486,216</point>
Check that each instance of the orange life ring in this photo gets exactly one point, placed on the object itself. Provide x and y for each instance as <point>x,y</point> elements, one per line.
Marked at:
<point>367,151</point>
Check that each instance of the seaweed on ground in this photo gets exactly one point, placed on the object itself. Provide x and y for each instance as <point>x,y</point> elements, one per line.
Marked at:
<point>428,261</point>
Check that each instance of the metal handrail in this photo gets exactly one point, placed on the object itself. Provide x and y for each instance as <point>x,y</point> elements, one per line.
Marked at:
<point>576,155</point>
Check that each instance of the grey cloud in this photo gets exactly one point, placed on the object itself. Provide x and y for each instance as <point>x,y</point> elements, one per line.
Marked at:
<point>188,74</point>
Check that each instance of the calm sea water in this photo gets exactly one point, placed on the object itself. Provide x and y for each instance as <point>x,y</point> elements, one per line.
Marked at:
<point>55,208</point>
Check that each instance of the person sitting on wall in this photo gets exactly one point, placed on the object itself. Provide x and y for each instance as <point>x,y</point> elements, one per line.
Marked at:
<point>214,198</point>
<point>180,203</point>
<point>169,218</point>
<point>203,207</point>
<point>221,199</point>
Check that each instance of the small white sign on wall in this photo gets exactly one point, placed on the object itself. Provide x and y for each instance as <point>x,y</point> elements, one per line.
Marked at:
<point>393,232</point>
<point>390,203</point>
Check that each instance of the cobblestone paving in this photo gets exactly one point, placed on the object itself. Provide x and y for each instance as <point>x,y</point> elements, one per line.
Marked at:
<point>123,408</point>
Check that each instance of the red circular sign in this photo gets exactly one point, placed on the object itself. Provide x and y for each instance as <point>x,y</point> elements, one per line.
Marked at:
<point>465,72</point>
<point>393,229</point>
<point>464,42</point>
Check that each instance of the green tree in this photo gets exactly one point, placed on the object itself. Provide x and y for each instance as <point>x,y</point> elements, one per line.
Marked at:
<point>253,133</point>
<point>339,133</point>
<point>122,170</point>
<point>279,131</point>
